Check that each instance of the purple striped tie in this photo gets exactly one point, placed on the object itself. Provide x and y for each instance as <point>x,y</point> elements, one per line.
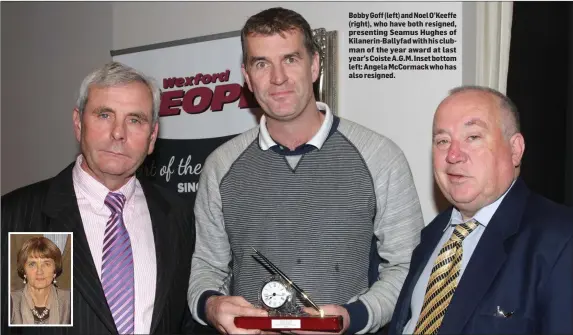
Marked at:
<point>117,266</point>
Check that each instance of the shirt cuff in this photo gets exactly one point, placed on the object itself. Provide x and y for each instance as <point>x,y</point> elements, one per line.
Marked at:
<point>201,304</point>
<point>358,314</point>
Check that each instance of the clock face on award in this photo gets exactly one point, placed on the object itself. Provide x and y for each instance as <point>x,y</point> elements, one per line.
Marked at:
<point>275,294</point>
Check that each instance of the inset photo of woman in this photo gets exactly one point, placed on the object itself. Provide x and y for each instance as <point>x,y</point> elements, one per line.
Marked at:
<point>40,279</point>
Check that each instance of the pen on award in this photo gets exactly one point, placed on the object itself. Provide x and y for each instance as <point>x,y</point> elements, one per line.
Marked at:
<point>285,277</point>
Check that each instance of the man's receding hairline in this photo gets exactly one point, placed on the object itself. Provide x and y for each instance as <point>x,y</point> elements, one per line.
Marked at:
<point>503,113</point>
<point>280,32</point>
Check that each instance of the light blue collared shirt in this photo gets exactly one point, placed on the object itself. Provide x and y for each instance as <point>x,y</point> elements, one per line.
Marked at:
<point>483,216</point>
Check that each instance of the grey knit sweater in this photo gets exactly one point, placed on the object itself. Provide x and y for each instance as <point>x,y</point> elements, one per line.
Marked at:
<point>314,218</point>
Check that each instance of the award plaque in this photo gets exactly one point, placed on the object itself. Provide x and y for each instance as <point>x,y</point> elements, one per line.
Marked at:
<point>277,296</point>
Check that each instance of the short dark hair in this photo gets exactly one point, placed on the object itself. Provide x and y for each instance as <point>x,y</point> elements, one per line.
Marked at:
<point>278,20</point>
<point>39,247</point>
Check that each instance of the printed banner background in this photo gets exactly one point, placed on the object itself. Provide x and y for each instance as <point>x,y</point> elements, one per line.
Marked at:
<point>204,104</point>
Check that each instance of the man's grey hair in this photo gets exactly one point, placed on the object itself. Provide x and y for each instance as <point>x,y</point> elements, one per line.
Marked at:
<point>117,74</point>
<point>509,116</point>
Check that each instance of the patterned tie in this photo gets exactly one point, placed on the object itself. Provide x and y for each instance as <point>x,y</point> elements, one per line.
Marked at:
<point>117,266</point>
<point>443,280</point>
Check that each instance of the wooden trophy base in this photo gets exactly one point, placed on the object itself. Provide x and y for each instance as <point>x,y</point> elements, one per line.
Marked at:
<point>330,323</point>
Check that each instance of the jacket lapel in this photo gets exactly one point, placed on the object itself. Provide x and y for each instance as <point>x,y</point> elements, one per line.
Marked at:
<point>61,207</point>
<point>158,209</point>
<point>430,237</point>
<point>486,261</point>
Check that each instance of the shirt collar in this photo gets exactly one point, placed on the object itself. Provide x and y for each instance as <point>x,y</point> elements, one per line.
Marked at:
<point>94,191</point>
<point>266,141</point>
<point>483,216</point>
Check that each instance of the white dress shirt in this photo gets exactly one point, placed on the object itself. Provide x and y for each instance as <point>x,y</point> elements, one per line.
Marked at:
<point>483,216</point>
<point>91,195</point>
<point>266,141</point>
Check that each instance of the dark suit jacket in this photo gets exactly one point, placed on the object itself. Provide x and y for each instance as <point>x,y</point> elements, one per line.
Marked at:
<point>523,263</point>
<point>51,206</point>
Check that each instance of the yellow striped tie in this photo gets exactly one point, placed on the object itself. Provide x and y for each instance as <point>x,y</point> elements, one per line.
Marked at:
<point>443,280</point>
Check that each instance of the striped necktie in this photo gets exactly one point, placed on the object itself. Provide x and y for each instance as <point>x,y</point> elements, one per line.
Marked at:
<point>117,266</point>
<point>443,280</point>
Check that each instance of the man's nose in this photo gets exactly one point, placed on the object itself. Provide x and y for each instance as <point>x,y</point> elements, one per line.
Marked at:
<point>118,131</point>
<point>455,154</point>
<point>278,75</point>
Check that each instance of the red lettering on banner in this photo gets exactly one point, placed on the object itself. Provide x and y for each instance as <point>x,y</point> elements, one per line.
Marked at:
<point>225,76</point>
<point>206,79</point>
<point>170,103</point>
<point>168,83</point>
<point>196,79</point>
<point>225,94</point>
<point>247,98</point>
<point>198,99</point>
<point>204,95</point>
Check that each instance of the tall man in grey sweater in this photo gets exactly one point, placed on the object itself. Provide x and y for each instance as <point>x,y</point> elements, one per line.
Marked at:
<point>322,197</point>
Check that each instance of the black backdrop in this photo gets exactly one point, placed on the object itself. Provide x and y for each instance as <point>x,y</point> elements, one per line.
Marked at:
<point>540,82</point>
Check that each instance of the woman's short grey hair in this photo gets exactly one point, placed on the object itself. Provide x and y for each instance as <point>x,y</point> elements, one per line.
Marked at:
<point>117,74</point>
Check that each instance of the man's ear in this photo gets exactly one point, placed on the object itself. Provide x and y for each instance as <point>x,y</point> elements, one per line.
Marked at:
<point>246,75</point>
<point>153,137</point>
<point>315,66</point>
<point>77,119</point>
<point>517,143</point>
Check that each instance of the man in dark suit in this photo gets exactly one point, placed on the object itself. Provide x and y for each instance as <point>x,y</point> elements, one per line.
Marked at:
<point>499,261</point>
<point>132,240</point>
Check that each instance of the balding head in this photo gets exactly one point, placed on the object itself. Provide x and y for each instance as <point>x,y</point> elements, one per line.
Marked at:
<point>509,116</point>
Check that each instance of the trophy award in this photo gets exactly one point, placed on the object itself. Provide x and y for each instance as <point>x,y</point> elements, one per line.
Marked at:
<point>277,296</point>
